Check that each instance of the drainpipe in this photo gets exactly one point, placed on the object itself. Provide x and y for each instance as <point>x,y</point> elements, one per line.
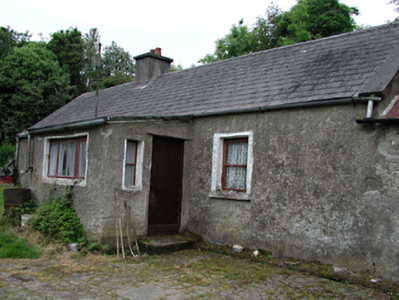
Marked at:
<point>27,169</point>
<point>370,107</point>
<point>16,152</point>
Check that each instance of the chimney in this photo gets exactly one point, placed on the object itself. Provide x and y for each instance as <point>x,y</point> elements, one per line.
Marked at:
<point>151,64</point>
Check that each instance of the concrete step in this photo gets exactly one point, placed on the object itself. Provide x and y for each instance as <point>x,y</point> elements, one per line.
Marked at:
<point>168,243</point>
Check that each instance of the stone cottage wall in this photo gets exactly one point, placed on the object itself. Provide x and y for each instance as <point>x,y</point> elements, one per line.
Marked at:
<point>323,187</point>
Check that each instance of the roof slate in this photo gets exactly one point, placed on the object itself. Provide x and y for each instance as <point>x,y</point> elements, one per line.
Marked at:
<point>335,67</point>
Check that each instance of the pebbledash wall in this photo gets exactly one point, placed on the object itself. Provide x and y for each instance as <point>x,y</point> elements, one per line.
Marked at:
<point>94,198</point>
<point>322,187</point>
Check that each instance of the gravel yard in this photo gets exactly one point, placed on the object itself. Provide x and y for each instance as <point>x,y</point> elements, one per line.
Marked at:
<point>187,274</point>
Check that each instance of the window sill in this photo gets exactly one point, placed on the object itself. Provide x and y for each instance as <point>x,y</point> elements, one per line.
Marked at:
<point>131,188</point>
<point>230,195</point>
<point>65,181</point>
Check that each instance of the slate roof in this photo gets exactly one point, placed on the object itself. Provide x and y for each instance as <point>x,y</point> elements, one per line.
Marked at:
<point>341,66</point>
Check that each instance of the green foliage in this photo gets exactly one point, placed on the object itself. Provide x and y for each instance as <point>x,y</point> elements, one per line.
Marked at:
<point>173,67</point>
<point>207,59</point>
<point>9,39</point>
<point>307,20</point>
<point>58,219</point>
<point>7,152</point>
<point>117,67</point>
<point>13,247</point>
<point>32,85</point>
<point>116,59</point>
<point>92,246</point>
<point>238,42</point>
<point>312,19</point>
<point>13,216</point>
<point>266,32</point>
<point>69,49</point>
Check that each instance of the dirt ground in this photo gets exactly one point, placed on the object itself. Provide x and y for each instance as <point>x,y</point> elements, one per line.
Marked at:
<point>188,274</point>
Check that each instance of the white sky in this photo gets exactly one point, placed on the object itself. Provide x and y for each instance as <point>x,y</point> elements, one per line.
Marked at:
<point>185,30</point>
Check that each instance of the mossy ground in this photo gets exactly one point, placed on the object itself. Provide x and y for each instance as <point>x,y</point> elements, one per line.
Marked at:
<point>311,267</point>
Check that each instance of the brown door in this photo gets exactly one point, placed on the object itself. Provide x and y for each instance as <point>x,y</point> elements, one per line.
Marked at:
<point>166,186</point>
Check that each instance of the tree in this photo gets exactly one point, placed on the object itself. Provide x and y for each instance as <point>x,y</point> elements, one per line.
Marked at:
<point>313,19</point>
<point>32,85</point>
<point>68,46</point>
<point>238,42</point>
<point>117,66</point>
<point>307,20</point>
<point>266,32</point>
<point>10,38</point>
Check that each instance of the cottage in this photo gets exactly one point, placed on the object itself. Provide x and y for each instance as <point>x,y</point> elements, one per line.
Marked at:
<point>294,150</point>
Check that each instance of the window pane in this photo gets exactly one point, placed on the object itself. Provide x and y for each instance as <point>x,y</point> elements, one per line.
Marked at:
<point>131,152</point>
<point>129,174</point>
<point>53,159</point>
<point>237,152</point>
<point>62,160</point>
<point>70,170</point>
<point>236,178</point>
<point>82,159</point>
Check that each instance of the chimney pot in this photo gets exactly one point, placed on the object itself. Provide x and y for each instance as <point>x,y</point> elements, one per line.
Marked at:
<point>152,51</point>
<point>158,51</point>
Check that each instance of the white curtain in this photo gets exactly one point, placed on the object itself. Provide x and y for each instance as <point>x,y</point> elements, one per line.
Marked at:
<point>70,169</point>
<point>62,160</point>
<point>236,175</point>
<point>53,159</point>
<point>130,166</point>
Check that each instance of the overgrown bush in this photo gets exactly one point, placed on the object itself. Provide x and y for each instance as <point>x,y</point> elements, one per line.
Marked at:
<point>7,152</point>
<point>58,219</point>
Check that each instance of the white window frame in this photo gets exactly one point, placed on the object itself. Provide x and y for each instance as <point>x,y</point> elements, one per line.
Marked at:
<point>46,155</point>
<point>217,167</point>
<point>139,166</point>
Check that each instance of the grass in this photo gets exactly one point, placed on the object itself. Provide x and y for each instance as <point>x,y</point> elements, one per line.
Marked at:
<point>12,246</point>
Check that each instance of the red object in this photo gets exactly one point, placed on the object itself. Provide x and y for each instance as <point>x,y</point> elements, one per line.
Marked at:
<point>158,51</point>
<point>6,179</point>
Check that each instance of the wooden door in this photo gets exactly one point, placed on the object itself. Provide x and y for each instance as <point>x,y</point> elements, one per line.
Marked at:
<point>165,186</point>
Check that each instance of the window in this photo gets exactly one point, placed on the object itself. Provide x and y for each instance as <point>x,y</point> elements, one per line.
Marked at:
<point>234,175</point>
<point>232,164</point>
<point>130,163</point>
<point>133,165</point>
<point>67,158</point>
